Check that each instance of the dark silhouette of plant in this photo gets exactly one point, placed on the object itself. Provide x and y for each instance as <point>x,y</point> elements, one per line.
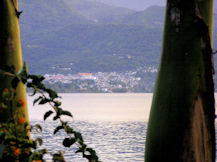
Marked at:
<point>15,144</point>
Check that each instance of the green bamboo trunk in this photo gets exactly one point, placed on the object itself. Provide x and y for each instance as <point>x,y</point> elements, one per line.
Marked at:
<point>10,54</point>
<point>181,124</point>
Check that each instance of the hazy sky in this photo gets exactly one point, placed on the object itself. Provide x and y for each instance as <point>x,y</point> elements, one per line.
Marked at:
<point>135,4</point>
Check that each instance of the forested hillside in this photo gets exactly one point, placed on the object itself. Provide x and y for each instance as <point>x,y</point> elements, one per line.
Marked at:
<point>90,36</point>
<point>77,42</point>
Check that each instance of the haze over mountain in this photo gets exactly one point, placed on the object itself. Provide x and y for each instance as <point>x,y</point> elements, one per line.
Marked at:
<point>138,5</point>
<point>97,12</point>
<point>89,36</point>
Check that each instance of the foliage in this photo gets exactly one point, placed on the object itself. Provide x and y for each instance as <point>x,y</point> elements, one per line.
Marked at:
<point>102,46</point>
<point>16,144</point>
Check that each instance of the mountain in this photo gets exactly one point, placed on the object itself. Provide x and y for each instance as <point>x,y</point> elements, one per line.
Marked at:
<point>153,16</point>
<point>98,12</point>
<point>46,15</point>
<point>94,47</point>
<point>59,36</point>
<point>138,5</point>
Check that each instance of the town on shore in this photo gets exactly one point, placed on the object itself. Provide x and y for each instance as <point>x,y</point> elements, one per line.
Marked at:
<point>139,80</point>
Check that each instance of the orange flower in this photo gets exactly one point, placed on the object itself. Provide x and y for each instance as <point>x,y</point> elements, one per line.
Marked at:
<point>13,148</point>
<point>12,143</point>
<point>36,161</point>
<point>6,90</point>
<point>13,90</point>
<point>5,130</point>
<point>21,120</point>
<point>17,152</point>
<point>22,102</point>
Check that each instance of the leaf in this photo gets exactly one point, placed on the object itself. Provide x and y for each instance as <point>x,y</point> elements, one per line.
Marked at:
<point>43,151</point>
<point>47,114</point>
<point>44,101</point>
<point>10,69</point>
<point>79,150</point>
<point>57,103</point>
<point>36,78</point>
<point>79,136</point>
<point>15,82</point>
<point>57,129</point>
<point>38,126</point>
<point>23,73</point>
<point>36,100</point>
<point>63,112</point>
<point>69,130</point>
<point>56,117</point>
<point>58,157</point>
<point>40,141</point>
<point>92,153</point>
<point>89,157</point>
<point>52,93</point>
<point>67,142</point>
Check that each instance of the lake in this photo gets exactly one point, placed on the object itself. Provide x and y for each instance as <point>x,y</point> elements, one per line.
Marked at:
<point>113,124</point>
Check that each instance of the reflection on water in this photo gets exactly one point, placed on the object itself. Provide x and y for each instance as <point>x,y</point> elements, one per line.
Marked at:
<point>101,107</point>
<point>113,141</point>
<point>113,124</point>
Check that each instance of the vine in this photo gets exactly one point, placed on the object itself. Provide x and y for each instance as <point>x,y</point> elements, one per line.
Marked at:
<point>16,145</point>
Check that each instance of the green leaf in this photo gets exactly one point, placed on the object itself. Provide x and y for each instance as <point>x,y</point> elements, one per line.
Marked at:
<point>36,100</point>
<point>64,112</point>
<point>36,78</point>
<point>58,157</point>
<point>52,93</point>
<point>89,157</point>
<point>23,73</point>
<point>47,114</point>
<point>79,136</point>
<point>43,101</point>
<point>57,129</point>
<point>67,142</point>
<point>40,141</point>
<point>92,153</point>
<point>38,126</point>
<point>43,151</point>
<point>69,130</point>
<point>29,145</point>
<point>10,69</point>
<point>57,103</point>
<point>15,82</point>
<point>56,117</point>
<point>79,150</point>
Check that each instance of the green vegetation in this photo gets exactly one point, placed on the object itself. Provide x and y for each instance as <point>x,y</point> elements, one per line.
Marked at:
<point>92,48</point>
<point>75,41</point>
<point>15,145</point>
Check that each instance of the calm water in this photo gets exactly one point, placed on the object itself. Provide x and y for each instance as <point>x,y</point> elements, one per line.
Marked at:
<point>113,124</point>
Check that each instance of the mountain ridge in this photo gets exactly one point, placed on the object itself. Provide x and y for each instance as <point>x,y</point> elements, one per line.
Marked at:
<point>132,41</point>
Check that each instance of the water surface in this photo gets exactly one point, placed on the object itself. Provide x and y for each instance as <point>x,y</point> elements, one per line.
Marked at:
<point>113,124</point>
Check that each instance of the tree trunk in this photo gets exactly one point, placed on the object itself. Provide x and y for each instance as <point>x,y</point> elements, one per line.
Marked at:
<point>10,54</point>
<point>181,124</point>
